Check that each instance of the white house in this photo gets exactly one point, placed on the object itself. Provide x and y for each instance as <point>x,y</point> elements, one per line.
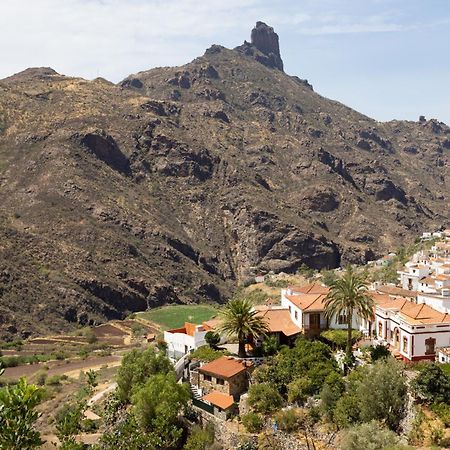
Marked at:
<point>307,310</point>
<point>443,355</point>
<point>414,330</point>
<point>181,341</point>
<point>411,276</point>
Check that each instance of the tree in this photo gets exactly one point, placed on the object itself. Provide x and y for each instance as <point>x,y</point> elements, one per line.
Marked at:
<point>374,392</point>
<point>337,339</point>
<point>135,369</point>
<point>157,405</point>
<point>289,420</point>
<point>371,436</point>
<point>387,401</point>
<point>18,416</point>
<point>309,359</point>
<point>212,339</point>
<point>252,422</point>
<point>299,390</point>
<point>241,320</point>
<point>433,384</point>
<point>270,345</point>
<point>92,376</point>
<point>348,296</point>
<point>264,398</point>
<point>378,352</point>
<point>331,392</point>
<point>200,438</point>
<point>68,421</point>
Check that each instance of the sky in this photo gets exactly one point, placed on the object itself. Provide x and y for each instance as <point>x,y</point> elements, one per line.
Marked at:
<point>388,59</point>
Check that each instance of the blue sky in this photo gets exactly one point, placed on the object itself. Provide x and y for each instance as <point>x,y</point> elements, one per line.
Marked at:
<point>388,59</point>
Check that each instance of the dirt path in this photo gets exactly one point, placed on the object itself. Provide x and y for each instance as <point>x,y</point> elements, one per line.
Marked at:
<point>71,368</point>
<point>99,395</point>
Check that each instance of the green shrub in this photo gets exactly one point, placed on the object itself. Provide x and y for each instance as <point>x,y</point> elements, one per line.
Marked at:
<point>378,352</point>
<point>252,422</point>
<point>54,380</point>
<point>270,345</point>
<point>207,354</point>
<point>90,335</point>
<point>137,366</point>
<point>299,390</point>
<point>371,435</point>
<point>212,339</point>
<point>442,410</point>
<point>328,277</point>
<point>338,338</point>
<point>310,359</point>
<point>289,420</point>
<point>432,384</point>
<point>330,394</point>
<point>264,398</point>
<point>200,438</point>
<point>41,377</point>
<point>276,283</point>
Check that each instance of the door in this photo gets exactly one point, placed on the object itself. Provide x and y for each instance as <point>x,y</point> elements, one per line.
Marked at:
<point>314,321</point>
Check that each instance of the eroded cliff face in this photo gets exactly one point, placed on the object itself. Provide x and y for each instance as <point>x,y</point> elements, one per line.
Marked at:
<point>178,183</point>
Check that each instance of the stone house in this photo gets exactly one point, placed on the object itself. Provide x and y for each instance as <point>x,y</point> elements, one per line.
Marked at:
<point>223,405</point>
<point>227,375</point>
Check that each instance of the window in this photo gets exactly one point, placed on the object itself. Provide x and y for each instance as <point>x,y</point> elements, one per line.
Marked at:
<point>296,315</point>
<point>380,329</point>
<point>207,377</point>
<point>405,345</point>
<point>342,319</point>
<point>290,309</point>
<point>429,346</point>
<point>220,381</point>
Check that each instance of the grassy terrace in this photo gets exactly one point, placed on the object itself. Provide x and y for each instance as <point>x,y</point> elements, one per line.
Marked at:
<point>175,316</point>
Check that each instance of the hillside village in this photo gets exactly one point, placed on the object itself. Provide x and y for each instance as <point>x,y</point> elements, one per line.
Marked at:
<point>289,384</point>
<point>411,321</point>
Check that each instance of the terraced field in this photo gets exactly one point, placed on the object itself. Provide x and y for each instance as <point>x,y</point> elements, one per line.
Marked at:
<point>174,316</point>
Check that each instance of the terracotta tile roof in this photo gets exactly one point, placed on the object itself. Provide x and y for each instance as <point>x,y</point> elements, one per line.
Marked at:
<point>223,401</point>
<point>308,302</point>
<point>394,290</point>
<point>278,320</point>
<point>189,329</point>
<point>442,277</point>
<point>225,367</point>
<point>413,313</point>
<point>427,280</point>
<point>312,288</point>
<point>210,324</point>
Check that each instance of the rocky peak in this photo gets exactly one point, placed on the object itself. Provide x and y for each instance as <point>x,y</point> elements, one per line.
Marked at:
<point>266,41</point>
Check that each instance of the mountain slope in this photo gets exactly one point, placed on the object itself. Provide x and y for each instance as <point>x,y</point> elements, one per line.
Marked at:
<point>179,182</point>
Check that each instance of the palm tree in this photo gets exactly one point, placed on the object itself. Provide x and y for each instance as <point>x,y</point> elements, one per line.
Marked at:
<point>348,296</point>
<point>241,320</point>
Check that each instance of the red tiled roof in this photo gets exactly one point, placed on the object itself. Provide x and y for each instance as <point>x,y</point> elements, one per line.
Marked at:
<point>210,324</point>
<point>413,313</point>
<point>225,367</point>
<point>312,288</point>
<point>278,320</point>
<point>308,302</point>
<point>223,401</point>
<point>397,291</point>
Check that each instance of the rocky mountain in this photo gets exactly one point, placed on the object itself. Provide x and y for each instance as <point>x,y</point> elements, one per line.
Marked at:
<point>178,183</point>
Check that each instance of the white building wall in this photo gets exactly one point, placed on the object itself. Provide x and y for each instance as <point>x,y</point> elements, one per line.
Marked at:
<point>415,335</point>
<point>182,343</point>
<point>443,357</point>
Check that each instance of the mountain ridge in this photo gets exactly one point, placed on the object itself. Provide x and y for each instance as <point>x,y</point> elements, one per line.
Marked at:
<point>177,183</point>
